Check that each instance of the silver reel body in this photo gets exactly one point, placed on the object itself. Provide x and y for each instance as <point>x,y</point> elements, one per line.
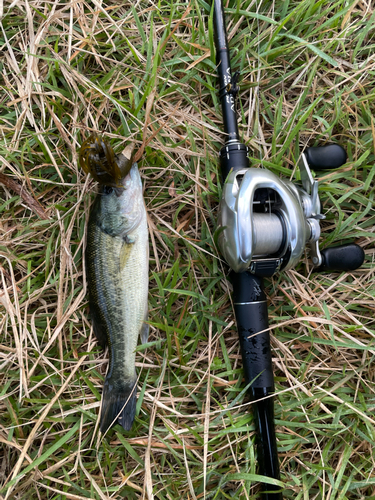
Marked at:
<point>265,222</point>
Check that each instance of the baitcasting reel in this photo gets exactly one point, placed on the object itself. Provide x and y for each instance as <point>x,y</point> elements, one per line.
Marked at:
<point>266,222</point>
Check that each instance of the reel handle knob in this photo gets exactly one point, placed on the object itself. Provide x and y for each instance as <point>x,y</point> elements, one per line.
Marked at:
<point>342,258</point>
<point>326,157</point>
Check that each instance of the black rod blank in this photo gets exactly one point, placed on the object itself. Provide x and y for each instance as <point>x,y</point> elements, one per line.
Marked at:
<point>227,85</point>
<point>233,156</point>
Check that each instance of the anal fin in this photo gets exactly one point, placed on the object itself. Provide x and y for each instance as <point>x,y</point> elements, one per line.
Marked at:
<point>145,329</point>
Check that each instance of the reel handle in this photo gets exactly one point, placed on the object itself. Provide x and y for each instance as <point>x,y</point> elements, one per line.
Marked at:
<point>342,258</point>
<point>326,157</point>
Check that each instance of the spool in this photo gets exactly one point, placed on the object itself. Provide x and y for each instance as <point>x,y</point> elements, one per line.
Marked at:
<point>269,234</point>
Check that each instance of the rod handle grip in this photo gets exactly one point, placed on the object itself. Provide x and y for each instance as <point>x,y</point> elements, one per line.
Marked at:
<point>250,306</point>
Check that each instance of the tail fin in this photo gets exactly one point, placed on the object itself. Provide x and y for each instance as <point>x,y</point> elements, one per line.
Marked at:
<point>118,404</point>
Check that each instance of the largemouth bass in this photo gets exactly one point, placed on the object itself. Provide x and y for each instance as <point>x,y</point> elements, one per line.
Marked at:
<point>117,256</point>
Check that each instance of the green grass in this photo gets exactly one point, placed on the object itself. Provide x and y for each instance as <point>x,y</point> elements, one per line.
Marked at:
<point>145,71</point>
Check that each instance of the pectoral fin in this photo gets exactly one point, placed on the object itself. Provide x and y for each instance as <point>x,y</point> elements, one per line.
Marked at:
<point>124,254</point>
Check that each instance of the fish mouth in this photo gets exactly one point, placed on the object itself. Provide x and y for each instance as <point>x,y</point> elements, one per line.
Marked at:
<point>130,177</point>
<point>119,187</point>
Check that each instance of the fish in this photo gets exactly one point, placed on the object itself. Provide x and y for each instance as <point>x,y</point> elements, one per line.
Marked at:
<point>117,267</point>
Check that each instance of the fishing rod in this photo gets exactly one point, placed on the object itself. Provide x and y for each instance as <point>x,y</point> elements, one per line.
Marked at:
<point>264,225</point>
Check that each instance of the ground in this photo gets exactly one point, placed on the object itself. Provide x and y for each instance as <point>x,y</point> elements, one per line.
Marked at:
<point>145,72</point>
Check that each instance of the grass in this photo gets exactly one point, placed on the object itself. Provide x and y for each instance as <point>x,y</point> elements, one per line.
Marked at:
<point>145,71</point>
